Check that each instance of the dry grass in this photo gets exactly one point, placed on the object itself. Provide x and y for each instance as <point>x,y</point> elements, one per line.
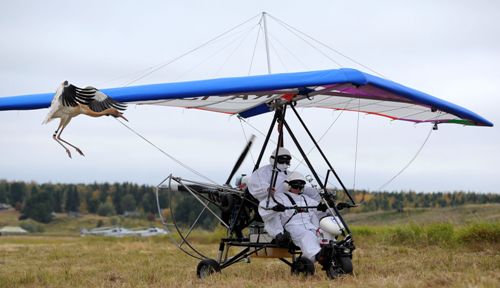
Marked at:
<point>42,261</point>
<point>405,253</point>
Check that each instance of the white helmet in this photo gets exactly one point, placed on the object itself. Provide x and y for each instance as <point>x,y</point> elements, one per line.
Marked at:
<point>284,158</point>
<point>295,180</point>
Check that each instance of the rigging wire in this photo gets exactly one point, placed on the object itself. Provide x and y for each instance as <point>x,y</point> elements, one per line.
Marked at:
<point>286,26</point>
<point>126,75</point>
<point>152,70</point>
<point>319,140</point>
<point>243,38</point>
<point>289,27</point>
<point>279,57</point>
<point>242,120</point>
<point>324,134</point>
<point>289,51</point>
<point>254,50</point>
<point>218,51</point>
<point>298,34</point>
<point>165,153</point>
<point>409,163</point>
<point>254,128</point>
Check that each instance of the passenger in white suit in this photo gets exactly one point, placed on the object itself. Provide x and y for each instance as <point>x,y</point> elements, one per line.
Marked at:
<point>301,224</point>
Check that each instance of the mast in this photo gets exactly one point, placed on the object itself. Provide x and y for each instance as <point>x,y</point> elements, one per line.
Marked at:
<point>267,43</point>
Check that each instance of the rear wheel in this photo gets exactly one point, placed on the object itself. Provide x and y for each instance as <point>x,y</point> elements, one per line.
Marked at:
<point>206,268</point>
<point>303,266</point>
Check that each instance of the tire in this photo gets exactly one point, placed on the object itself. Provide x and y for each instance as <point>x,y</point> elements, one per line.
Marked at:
<point>332,272</point>
<point>345,264</point>
<point>206,268</point>
<point>303,266</point>
<point>342,265</point>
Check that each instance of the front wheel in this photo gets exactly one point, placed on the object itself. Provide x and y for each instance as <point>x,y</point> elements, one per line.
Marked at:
<point>332,272</point>
<point>206,268</point>
<point>345,264</point>
<point>341,266</point>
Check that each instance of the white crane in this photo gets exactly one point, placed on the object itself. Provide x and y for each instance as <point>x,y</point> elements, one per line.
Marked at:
<point>70,101</point>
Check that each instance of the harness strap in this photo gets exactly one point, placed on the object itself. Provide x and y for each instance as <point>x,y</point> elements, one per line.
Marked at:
<point>297,210</point>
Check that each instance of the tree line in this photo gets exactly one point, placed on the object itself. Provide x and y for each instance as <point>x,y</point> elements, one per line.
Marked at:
<point>38,201</point>
<point>373,201</point>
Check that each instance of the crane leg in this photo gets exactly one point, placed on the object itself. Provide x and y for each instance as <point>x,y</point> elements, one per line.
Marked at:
<point>58,138</point>
<point>54,136</point>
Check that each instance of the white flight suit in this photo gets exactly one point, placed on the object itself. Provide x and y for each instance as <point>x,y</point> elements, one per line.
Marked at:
<point>259,182</point>
<point>312,193</point>
<point>301,226</point>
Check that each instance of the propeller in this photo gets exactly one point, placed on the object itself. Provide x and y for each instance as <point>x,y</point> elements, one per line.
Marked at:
<point>240,159</point>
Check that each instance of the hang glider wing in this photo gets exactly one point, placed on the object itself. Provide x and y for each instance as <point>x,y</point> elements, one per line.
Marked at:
<point>339,89</point>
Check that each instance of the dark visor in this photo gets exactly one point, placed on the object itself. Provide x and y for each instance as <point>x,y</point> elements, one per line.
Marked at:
<point>297,184</point>
<point>284,159</point>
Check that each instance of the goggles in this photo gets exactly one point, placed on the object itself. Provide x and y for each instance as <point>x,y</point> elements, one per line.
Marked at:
<point>297,184</point>
<point>284,159</point>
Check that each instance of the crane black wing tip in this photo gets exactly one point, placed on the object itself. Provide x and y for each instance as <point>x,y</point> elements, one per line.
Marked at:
<point>120,106</point>
<point>116,104</point>
<point>69,96</point>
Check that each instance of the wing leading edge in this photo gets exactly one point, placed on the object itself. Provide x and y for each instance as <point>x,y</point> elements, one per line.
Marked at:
<point>339,89</point>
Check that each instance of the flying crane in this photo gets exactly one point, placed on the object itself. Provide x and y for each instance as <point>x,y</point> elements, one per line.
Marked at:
<point>71,101</point>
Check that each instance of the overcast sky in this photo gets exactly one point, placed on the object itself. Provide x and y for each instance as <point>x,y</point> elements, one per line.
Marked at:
<point>449,49</point>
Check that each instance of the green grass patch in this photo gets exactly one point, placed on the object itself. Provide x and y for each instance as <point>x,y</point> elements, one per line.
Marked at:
<point>479,233</point>
<point>440,234</point>
<point>433,234</point>
<point>32,226</point>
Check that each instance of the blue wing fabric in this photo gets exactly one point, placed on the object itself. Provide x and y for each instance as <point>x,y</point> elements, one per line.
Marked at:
<point>339,89</point>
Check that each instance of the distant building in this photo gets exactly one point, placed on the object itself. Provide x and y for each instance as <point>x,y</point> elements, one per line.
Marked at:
<point>74,214</point>
<point>12,230</point>
<point>4,206</point>
<point>132,214</point>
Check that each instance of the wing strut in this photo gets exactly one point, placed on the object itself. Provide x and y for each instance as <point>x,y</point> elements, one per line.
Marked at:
<point>323,186</point>
<point>322,155</point>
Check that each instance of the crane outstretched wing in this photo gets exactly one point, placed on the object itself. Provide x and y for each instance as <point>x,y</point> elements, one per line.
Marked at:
<point>101,101</point>
<point>72,95</point>
<point>339,89</point>
<point>90,96</point>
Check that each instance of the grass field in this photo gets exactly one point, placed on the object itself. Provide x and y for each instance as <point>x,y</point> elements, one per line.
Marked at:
<point>405,254</point>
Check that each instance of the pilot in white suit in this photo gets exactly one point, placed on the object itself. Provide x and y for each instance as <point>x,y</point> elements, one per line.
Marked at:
<point>301,224</point>
<point>259,181</point>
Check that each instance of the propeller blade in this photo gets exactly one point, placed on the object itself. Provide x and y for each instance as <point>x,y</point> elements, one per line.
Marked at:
<point>240,159</point>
